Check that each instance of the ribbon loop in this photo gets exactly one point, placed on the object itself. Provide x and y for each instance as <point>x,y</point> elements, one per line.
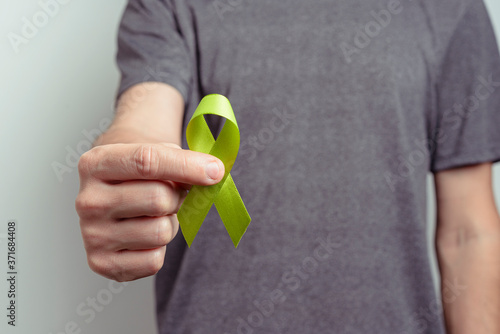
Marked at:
<point>224,194</point>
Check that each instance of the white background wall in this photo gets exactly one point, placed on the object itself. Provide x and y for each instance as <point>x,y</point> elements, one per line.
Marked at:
<point>58,86</point>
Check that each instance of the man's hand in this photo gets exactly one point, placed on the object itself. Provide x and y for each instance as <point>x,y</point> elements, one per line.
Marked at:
<point>132,183</point>
<point>129,195</point>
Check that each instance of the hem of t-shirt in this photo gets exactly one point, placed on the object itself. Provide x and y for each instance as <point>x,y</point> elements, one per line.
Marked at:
<point>473,158</point>
<point>178,84</point>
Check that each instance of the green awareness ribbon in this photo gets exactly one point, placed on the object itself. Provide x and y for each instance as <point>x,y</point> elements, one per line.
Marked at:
<point>224,194</point>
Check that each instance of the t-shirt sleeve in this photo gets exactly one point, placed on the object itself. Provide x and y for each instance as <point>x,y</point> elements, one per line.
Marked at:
<point>467,130</point>
<point>151,47</point>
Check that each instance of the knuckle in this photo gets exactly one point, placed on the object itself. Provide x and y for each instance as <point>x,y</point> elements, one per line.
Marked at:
<point>93,238</point>
<point>174,225</point>
<point>85,163</point>
<point>88,161</point>
<point>104,265</point>
<point>146,159</point>
<point>159,202</point>
<point>120,274</point>
<point>155,263</point>
<point>164,231</point>
<point>99,264</point>
<point>89,206</point>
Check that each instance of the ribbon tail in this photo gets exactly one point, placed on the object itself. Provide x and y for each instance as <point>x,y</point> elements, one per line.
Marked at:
<point>232,211</point>
<point>193,211</point>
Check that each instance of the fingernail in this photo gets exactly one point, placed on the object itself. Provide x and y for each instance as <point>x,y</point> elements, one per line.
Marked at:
<point>212,170</point>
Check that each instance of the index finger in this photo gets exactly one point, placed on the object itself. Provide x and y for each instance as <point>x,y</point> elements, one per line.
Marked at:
<point>122,162</point>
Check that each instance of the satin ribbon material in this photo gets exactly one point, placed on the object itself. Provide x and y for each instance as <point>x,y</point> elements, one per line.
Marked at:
<point>224,194</point>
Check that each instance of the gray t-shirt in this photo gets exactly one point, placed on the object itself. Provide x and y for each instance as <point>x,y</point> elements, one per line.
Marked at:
<point>343,107</point>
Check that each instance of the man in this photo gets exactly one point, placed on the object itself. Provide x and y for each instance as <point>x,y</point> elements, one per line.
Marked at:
<point>343,107</point>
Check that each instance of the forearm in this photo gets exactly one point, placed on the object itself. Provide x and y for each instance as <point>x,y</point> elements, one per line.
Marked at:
<point>146,113</point>
<point>468,249</point>
<point>470,280</point>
